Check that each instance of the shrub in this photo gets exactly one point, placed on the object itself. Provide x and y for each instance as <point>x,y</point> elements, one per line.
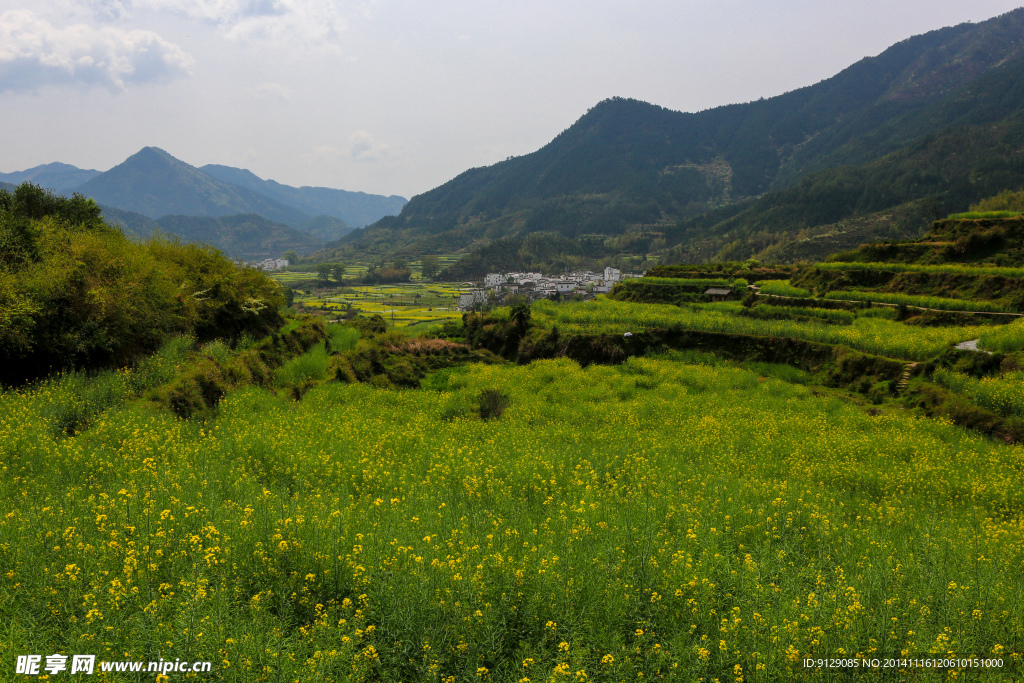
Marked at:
<point>493,403</point>
<point>75,293</point>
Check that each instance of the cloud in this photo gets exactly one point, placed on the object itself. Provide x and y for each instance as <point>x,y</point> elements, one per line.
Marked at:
<point>365,148</point>
<point>296,23</point>
<point>35,53</point>
<point>322,154</point>
<point>273,91</point>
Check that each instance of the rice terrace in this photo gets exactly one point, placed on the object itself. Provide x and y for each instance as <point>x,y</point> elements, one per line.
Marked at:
<point>733,396</point>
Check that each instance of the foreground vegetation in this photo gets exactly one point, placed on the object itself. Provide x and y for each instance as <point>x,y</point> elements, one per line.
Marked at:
<point>372,534</point>
<point>309,501</point>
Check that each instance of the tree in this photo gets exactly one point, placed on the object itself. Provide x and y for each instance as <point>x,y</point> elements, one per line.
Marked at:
<point>292,257</point>
<point>431,266</point>
<point>323,272</point>
<point>338,271</point>
<point>520,317</point>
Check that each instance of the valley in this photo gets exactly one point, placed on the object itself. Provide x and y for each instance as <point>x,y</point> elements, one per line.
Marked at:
<point>691,397</point>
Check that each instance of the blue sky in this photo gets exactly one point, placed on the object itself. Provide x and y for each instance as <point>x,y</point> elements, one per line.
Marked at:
<point>396,96</point>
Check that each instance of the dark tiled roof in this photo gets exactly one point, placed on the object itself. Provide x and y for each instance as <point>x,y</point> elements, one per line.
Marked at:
<point>718,291</point>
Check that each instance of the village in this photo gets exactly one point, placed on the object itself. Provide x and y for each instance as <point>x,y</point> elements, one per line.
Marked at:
<point>497,287</point>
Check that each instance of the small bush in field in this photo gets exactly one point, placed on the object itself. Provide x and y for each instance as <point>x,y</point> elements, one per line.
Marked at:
<point>493,403</point>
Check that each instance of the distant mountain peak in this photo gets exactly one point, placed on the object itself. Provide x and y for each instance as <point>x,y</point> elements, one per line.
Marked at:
<point>155,184</point>
<point>54,175</point>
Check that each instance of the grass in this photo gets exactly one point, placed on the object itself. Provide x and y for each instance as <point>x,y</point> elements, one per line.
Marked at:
<point>952,269</point>
<point>871,334</point>
<point>1004,339</point>
<point>782,288</point>
<point>68,402</point>
<point>656,518</point>
<point>310,366</point>
<point>984,214</point>
<point>1004,395</point>
<point>920,301</point>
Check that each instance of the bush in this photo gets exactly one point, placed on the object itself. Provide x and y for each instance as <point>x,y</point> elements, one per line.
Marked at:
<point>493,403</point>
<point>75,293</point>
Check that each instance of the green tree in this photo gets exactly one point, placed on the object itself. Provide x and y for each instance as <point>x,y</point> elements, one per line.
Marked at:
<point>431,266</point>
<point>323,272</point>
<point>338,271</point>
<point>292,257</point>
<point>520,317</point>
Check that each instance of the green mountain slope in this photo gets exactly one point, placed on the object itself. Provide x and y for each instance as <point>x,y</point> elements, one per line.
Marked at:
<point>326,228</point>
<point>628,165</point>
<point>926,180</point>
<point>154,183</point>
<point>246,236</point>
<point>354,208</point>
<point>130,222</point>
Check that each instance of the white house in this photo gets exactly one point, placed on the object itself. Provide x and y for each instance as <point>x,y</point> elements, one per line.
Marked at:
<point>612,274</point>
<point>564,286</point>
<point>473,298</point>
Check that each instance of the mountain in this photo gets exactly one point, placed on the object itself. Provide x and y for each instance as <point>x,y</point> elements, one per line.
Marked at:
<point>130,222</point>
<point>154,183</point>
<point>327,228</point>
<point>245,236</point>
<point>895,196</point>
<point>629,166</point>
<point>356,209</point>
<point>55,176</point>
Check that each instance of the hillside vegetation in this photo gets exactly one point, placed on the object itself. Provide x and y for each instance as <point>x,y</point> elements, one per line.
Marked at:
<point>863,154</point>
<point>609,490</point>
<point>76,293</point>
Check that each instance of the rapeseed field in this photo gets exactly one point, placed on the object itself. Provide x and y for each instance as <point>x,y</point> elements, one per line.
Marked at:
<point>654,520</point>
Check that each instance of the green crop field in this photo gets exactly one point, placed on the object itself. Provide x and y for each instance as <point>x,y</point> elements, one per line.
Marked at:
<point>952,269</point>
<point>654,520</point>
<point>866,333</point>
<point>935,302</point>
<point>782,288</point>
<point>401,304</point>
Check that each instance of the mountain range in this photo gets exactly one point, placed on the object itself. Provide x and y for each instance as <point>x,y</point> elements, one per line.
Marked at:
<point>881,149</point>
<point>231,208</point>
<point>859,154</point>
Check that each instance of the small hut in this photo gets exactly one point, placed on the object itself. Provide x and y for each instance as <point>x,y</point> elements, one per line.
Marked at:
<point>720,294</point>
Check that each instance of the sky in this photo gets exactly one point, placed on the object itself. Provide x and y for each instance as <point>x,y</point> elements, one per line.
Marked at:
<point>397,96</point>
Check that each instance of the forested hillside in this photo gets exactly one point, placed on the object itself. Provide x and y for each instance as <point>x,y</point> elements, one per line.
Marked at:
<point>76,293</point>
<point>902,193</point>
<point>629,166</point>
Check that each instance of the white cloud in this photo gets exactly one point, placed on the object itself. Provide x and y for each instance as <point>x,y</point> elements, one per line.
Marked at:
<point>298,23</point>
<point>35,53</point>
<point>365,148</point>
<point>322,154</point>
<point>273,91</point>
